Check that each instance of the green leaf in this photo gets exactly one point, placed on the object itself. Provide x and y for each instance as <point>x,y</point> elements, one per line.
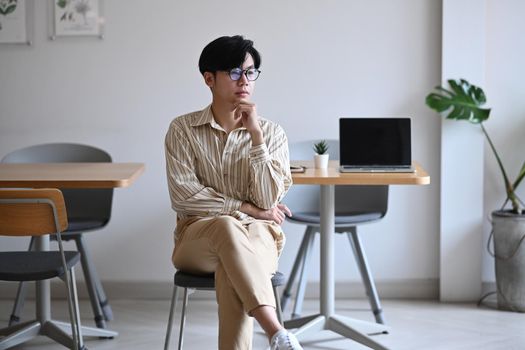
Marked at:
<point>462,102</point>
<point>62,3</point>
<point>320,147</point>
<point>8,9</point>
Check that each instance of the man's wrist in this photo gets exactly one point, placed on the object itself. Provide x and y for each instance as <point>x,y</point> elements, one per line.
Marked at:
<point>246,208</point>
<point>257,137</point>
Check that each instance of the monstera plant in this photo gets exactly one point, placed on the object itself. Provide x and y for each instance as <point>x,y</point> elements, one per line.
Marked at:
<point>464,101</point>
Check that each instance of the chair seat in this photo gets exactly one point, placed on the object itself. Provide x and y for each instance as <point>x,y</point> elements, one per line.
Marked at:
<point>34,266</point>
<point>207,281</point>
<point>188,280</point>
<point>341,219</point>
<point>84,225</point>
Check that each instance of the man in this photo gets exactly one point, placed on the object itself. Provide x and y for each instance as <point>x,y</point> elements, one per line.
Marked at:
<point>228,169</point>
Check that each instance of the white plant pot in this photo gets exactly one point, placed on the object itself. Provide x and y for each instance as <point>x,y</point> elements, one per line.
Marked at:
<point>321,161</point>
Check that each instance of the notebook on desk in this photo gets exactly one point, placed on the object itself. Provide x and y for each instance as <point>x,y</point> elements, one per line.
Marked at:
<point>375,145</point>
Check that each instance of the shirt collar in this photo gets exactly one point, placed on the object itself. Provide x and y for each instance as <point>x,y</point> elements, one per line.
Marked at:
<point>206,117</point>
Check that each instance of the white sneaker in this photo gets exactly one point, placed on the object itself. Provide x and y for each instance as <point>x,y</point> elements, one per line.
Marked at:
<point>284,340</point>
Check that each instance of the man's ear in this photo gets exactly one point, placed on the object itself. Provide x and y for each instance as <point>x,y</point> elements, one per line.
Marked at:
<point>209,79</point>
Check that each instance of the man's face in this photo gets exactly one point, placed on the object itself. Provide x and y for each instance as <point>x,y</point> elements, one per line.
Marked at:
<point>225,89</point>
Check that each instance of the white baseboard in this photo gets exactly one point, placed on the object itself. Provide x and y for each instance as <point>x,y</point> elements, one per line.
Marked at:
<point>390,289</point>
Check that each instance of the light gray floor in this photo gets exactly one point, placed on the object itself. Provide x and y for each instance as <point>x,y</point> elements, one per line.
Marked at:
<point>415,325</point>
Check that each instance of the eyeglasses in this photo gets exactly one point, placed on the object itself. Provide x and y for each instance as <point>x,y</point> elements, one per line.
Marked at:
<point>250,73</point>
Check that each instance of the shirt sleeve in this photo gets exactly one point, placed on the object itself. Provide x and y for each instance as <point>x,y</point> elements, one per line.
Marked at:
<point>270,176</point>
<point>188,196</point>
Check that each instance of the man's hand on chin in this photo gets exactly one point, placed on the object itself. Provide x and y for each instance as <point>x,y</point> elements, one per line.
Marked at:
<point>246,112</point>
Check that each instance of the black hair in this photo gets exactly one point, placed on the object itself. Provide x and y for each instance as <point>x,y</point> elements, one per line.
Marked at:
<point>227,52</point>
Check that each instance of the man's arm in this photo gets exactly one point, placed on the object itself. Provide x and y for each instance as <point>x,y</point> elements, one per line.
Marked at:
<point>270,176</point>
<point>188,195</point>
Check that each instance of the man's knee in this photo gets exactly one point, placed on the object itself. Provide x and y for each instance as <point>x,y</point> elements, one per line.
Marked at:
<point>226,223</point>
<point>229,231</point>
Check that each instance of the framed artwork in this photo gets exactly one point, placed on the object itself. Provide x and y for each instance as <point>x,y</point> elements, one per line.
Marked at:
<point>76,18</point>
<point>15,24</point>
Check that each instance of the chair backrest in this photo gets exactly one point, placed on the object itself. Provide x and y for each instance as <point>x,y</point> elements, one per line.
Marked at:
<point>80,203</point>
<point>349,200</point>
<point>32,212</point>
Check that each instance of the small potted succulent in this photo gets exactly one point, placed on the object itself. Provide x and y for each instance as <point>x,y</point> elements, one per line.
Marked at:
<point>321,157</point>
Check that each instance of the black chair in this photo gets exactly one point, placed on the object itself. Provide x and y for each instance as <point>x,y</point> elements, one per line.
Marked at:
<point>35,213</point>
<point>205,282</point>
<point>354,206</point>
<point>87,209</point>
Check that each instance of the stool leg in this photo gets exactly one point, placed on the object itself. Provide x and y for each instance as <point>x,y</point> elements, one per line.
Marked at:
<point>366,275</point>
<point>170,319</point>
<point>278,306</point>
<point>183,318</point>
<point>299,296</point>
<point>287,292</point>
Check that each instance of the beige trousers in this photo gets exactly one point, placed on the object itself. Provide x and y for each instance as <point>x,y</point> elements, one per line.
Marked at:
<point>243,256</point>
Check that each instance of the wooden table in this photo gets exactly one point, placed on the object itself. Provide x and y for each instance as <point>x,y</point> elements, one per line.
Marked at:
<point>69,175</point>
<point>64,175</point>
<point>327,179</point>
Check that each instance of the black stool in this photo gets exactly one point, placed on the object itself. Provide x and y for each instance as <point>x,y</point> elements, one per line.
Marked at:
<point>207,282</point>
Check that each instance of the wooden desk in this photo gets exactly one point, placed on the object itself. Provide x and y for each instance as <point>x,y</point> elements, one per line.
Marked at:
<point>65,175</point>
<point>327,179</point>
<point>332,176</point>
<point>69,175</point>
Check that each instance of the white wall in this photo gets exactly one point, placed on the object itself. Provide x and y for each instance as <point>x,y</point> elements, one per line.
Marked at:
<point>321,60</point>
<point>461,231</point>
<point>505,95</point>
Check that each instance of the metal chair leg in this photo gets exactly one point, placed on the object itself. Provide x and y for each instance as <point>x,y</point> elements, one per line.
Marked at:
<point>183,318</point>
<point>170,319</point>
<point>72,300</point>
<point>90,278</point>
<point>278,306</point>
<point>287,292</point>
<point>299,296</point>
<point>103,300</point>
<point>20,295</point>
<point>366,275</point>
<point>76,310</point>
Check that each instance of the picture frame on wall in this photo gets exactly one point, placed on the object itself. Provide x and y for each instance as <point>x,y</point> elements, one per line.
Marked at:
<point>16,25</point>
<point>76,18</point>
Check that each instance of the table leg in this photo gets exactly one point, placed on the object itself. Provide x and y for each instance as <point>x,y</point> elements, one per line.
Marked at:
<point>59,331</point>
<point>327,248</point>
<point>43,292</point>
<point>327,320</point>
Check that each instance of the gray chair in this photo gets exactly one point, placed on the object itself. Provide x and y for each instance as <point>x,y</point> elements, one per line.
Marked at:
<point>205,282</point>
<point>354,205</point>
<point>87,210</point>
<point>27,212</point>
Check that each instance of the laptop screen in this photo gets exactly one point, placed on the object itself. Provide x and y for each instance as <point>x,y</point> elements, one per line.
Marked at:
<point>375,142</point>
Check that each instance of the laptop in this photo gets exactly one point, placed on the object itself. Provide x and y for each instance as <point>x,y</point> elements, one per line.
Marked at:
<point>375,145</point>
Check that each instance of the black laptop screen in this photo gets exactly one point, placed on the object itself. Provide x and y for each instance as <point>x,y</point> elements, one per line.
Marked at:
<point>375,141</point>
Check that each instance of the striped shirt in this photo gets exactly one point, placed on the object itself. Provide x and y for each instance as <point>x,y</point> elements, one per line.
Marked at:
<point>211,172</point>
